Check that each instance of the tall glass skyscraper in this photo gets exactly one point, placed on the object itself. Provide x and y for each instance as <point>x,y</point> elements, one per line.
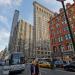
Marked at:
<point>14,24</point>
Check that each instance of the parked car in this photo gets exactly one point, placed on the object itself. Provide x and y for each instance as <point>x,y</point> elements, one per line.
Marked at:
<point>70,67</point>
<point>65,63</point>
<point>2,63</point>
<point>58,64</point>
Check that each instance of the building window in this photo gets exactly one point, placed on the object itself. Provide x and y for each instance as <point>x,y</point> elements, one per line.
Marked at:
<point>51,22</point>
<point>60,39</point>
<point>69,46</point>
<point>45,52</point>
<point>67,36</point>
<point>51,28</point>
<point>58,32</point>
<point>64,20</point>
<point>54,49</point>
<point>54,40</point>
<point>70,19</point>
<point>48,52</point>
<point>72,25</point>
<point>38,52</point>
<point>66,29</point>
<point>57,20</point>
<point>41,52</point>
<point>61,48</point>
<point>57,25</point>
<point>73,17</point>
<point>74,34</point>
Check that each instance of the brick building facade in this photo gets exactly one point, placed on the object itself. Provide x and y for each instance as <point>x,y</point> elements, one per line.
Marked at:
<point>61,44</point>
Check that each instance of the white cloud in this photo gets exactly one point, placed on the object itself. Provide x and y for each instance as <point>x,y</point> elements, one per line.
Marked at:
<point>10,2</point>
<point>18,2</point>
<point>54,5</point>
<point>69,1</point>
<point>49,1</point>
<point>4,38</point>
<point>4,20</point>
<point>5,2</point>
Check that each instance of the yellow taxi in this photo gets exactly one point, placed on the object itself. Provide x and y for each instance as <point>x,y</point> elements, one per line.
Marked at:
<point>44,64</point>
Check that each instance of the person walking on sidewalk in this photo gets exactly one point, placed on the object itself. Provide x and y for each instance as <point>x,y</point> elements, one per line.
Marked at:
<point>34,68</point>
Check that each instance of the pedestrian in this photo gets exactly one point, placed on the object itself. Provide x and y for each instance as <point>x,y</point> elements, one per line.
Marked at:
<point>34,68</point>
<point>37,68</point>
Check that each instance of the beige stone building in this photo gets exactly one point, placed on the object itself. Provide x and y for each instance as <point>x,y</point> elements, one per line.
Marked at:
<point>22,38</point>
<point>41,33</point>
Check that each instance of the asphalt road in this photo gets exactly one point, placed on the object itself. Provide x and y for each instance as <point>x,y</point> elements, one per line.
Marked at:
<point>44,71</point>
<point>0,70</point>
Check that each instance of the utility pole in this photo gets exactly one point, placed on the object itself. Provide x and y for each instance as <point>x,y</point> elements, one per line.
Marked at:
<point>29,40</point>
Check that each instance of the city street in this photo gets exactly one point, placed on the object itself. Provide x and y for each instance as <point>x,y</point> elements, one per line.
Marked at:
<point>47,72</point>
<point>43,71</point>
<point>0,70</point>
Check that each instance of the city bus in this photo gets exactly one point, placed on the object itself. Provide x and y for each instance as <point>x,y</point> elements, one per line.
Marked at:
<point>15,61</point>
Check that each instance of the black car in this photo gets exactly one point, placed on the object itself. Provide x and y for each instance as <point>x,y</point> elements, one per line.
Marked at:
<point>58,64</point>
<point>70,67</point>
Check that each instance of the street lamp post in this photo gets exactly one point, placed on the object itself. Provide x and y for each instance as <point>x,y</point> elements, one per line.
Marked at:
<point>70,31</point>
<point>74,1</point>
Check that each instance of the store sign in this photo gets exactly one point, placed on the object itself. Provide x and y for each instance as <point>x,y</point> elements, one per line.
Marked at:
<point>68,53</point>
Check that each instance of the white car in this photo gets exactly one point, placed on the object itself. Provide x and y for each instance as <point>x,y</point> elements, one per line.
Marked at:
<point>6,70</point>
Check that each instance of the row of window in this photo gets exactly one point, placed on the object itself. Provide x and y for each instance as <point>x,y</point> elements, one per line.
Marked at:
<point>39,52</point>
<point>43,11</point>
<point>58,26</point>
<point>62,48</point>
<point>61,18</point>
<point>58,20</point>
<point>59,32</point>
<point>60,39</point>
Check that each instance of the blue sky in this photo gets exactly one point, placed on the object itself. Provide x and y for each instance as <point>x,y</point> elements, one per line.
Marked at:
<point>25,7</point>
